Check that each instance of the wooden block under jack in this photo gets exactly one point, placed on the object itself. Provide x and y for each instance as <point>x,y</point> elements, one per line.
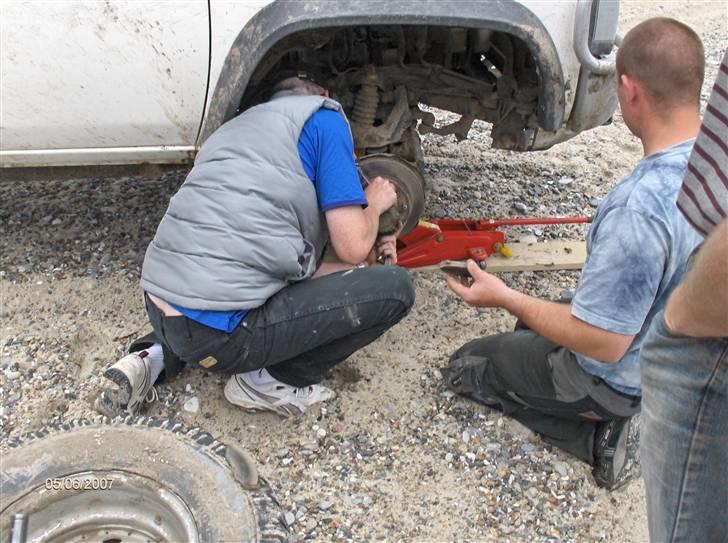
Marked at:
<point>548,255</point>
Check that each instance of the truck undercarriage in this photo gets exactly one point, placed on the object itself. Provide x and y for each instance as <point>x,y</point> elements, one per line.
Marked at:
<point>384,75</point>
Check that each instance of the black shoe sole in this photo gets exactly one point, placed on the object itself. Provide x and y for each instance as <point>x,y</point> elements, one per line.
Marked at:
<point>620,452</point>
<point>613,479</point>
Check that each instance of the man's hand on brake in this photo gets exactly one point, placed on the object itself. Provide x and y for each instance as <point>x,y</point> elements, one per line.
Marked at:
<point>386,248</point>
<point>353,229</point>
<point>380,194</point>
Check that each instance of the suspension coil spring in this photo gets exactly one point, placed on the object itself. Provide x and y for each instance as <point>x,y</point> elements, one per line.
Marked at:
<point>366,102</point>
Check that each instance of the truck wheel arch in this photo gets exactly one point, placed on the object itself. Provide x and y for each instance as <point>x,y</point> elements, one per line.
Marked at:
<point>281,19</point>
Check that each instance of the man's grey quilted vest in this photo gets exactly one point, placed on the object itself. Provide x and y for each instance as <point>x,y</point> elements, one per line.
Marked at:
<point>246,221</point>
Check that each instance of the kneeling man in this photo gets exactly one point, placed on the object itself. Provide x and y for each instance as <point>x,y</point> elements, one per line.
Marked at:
<point>571,372</point>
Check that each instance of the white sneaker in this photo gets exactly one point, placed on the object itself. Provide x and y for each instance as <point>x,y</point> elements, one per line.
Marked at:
<point>133,379</point>
<point>277,397</point>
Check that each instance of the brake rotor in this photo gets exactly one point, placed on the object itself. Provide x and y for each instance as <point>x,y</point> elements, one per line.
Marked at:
<point>410,187</point>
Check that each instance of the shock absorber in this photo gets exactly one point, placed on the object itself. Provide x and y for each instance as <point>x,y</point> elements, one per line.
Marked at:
<point>367,100</point>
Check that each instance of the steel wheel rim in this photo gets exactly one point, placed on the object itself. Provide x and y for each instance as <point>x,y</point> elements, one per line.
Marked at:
<point>131,509</point>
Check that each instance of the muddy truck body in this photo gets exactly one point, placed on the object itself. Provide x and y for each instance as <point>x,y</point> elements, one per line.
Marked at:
<point>93,83</point>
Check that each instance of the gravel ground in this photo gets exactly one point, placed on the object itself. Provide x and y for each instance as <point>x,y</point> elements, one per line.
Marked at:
<point>395,456</point>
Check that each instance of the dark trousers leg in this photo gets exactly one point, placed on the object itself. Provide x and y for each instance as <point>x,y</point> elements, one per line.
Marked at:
<point>172,363</point>
<point>310,328</point>
<point>539,384</point>
<point>301,332</point>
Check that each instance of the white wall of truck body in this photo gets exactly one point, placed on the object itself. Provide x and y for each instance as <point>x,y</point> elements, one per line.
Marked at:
<point>125,81</point>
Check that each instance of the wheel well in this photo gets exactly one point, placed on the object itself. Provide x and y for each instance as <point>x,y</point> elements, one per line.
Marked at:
<point>383,74</point>
<point>441,40</point>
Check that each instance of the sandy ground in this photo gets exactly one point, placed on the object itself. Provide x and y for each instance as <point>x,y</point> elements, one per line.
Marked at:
<point>394,457</point>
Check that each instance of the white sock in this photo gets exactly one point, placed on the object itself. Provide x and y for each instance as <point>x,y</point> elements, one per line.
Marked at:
<point>261,377</point>
<point>155,357</point>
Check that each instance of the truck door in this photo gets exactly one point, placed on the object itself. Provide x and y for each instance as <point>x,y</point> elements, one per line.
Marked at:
<point>101,82</point>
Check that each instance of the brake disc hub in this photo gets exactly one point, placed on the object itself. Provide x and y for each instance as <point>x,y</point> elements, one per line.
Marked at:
<point>410,187</point>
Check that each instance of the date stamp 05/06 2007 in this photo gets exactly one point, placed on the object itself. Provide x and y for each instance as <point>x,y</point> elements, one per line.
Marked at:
<point>72,483</point>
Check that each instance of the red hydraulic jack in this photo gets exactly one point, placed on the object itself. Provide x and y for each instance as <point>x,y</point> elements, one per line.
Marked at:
<point>432,242</point>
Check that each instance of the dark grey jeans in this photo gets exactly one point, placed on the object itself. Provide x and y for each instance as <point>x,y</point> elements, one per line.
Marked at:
<point>540,385</point>
<point>299,334</point>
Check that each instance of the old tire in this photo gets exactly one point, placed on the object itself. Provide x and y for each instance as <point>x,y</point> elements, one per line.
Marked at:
<point>137,479</point>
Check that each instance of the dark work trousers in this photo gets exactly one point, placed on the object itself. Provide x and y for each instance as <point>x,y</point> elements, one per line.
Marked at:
<point>299,334</point>
<point>540,385</point>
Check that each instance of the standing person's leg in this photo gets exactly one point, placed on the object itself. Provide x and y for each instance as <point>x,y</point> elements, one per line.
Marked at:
<point>543,386</point>
<point>684,440</point>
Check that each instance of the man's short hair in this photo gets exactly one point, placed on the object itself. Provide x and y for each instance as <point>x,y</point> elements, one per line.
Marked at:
<point>666,57</point>
<point>296,85</point>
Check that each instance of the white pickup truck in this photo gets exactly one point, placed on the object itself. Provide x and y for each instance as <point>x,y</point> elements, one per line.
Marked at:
<point>124,82</point>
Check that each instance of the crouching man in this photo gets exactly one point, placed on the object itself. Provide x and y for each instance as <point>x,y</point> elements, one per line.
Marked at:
<point>233,279</point>
<point>572,372</point>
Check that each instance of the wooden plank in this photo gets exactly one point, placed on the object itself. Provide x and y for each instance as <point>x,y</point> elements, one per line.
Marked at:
<point>547,255</point>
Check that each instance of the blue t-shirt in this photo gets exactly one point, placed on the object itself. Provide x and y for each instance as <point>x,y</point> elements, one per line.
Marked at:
<point>327,156</point>
<point>636,251</point>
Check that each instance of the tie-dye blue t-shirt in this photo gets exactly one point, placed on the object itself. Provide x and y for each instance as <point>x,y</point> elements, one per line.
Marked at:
<point>636,253</point>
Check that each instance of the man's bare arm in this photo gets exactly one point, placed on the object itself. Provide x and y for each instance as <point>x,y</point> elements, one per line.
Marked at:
<point>551,320</point>
<point>354,230</point>
<point>698,307</point>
